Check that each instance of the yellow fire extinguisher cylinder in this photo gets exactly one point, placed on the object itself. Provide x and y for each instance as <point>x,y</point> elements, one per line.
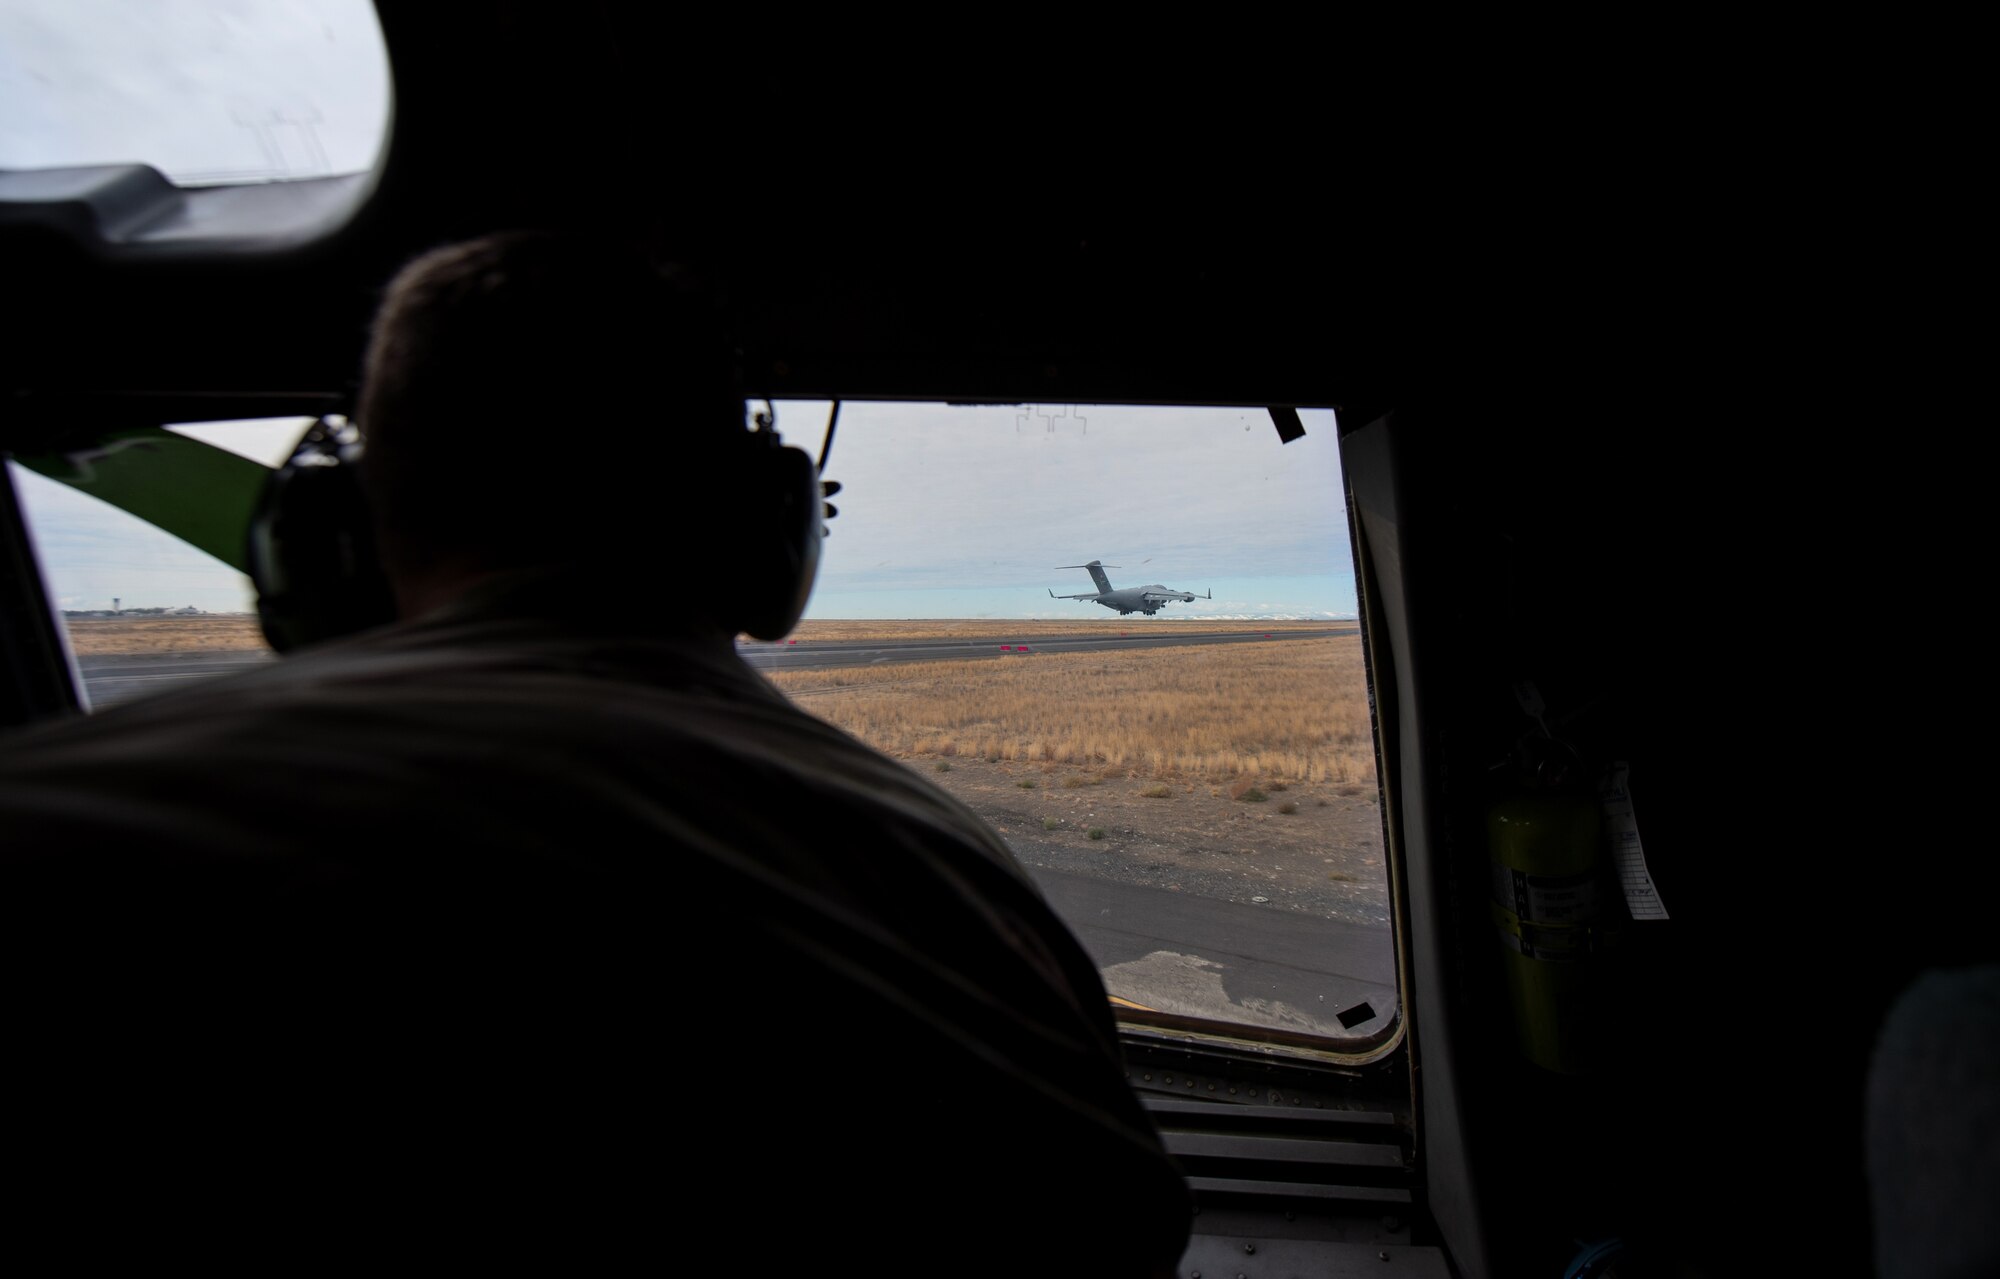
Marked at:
<point>1546,850</point>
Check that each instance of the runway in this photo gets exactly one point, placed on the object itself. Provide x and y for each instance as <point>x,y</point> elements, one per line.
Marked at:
<point>108,681</point>
<point>815,655</point>
<point>1182,953</point>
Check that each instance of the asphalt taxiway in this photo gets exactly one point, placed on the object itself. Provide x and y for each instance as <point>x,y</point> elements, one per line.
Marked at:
<point>826,654</point>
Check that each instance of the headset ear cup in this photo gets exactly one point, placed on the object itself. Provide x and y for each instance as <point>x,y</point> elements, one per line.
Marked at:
<point>787,532</point>
<point>311,546</point>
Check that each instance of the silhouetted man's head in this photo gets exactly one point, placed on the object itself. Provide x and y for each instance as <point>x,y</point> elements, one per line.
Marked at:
<point>534,399</point>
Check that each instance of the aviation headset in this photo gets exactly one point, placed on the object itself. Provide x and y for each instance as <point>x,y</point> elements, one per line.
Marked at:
<point>312,548</point>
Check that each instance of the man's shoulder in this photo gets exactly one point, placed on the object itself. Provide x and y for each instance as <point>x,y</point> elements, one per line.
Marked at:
<point>491,714</point>
<point>530,827</point>
<point>430,665</point>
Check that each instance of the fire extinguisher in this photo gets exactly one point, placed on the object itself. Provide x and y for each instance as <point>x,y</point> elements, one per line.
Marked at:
<point>1545,841</point>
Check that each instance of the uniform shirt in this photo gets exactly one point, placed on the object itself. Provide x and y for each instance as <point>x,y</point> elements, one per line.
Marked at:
<point>529,931</point>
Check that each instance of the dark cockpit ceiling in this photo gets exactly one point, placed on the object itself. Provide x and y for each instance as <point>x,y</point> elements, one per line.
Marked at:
<point>877,235</point>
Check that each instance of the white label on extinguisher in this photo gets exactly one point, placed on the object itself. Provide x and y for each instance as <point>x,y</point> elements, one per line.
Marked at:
<point>1622,830</point>
<point>1546,899</point>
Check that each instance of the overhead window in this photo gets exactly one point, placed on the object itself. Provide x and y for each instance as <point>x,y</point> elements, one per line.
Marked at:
<point>206,91</point>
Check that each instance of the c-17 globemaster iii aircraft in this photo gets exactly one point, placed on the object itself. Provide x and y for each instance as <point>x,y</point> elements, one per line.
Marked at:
<point>1132,599</point>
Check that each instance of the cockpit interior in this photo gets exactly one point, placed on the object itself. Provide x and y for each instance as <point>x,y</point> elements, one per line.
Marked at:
<point>1586,561</point>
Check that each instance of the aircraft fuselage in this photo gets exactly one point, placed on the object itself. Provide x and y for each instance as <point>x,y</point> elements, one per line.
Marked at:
<point>1142,599</point>
<point>1148,599</point>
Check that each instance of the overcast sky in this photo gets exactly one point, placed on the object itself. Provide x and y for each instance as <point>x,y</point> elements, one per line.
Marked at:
<point>966,512</point>
<point>948,512</point>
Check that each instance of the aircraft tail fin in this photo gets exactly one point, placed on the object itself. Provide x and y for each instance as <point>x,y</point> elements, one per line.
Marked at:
<point>1096,570</point>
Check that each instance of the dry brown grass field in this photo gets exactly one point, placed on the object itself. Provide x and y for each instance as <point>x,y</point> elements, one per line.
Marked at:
<point>1292,711</point>
<point>1295,711</point>
<point>210,633</point>
<point>1241,771</point>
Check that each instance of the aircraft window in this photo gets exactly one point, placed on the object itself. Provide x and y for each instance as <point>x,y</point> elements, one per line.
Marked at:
<point>144,610</point>
<point>206,91</point>
<point>1192,781</point>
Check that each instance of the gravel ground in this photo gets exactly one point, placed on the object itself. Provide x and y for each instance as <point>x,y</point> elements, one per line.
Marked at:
<point>1324,858</point>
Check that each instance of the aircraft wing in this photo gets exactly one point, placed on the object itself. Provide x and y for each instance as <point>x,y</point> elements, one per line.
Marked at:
<point>1054,596</point>
<point>1178,595</point>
